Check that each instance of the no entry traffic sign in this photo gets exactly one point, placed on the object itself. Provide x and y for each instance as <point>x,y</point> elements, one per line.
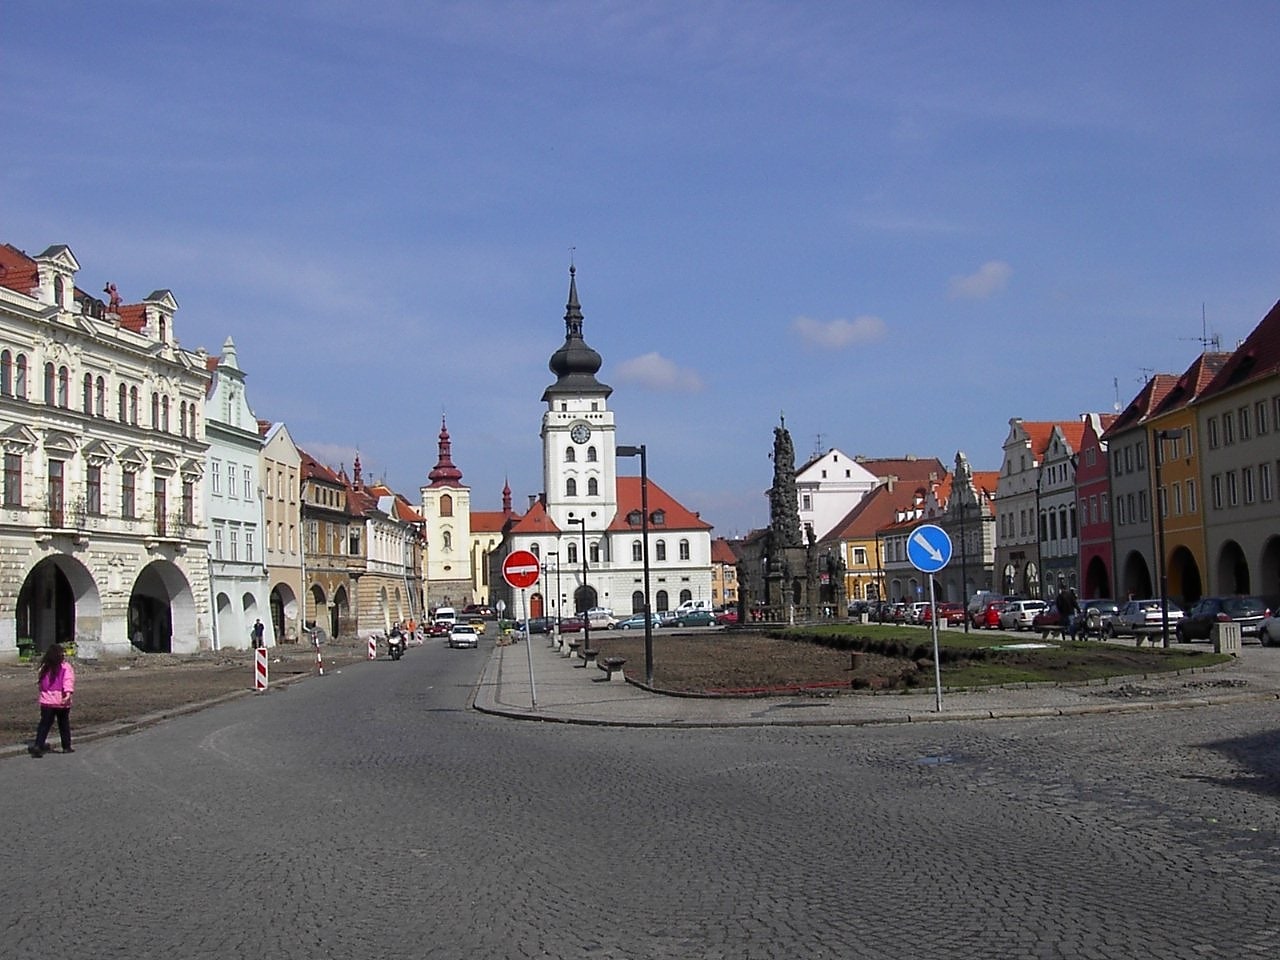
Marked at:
<point>520,569</point>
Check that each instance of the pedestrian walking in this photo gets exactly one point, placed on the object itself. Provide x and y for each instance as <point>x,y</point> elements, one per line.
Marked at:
<point>57,684</point>
<point>258,631</point>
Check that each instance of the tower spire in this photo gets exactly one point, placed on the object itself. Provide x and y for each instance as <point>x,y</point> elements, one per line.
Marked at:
<point>444,473</point>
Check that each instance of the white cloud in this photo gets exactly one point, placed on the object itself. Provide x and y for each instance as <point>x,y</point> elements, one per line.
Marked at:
<point>656,372</point>
<point>839,333</point>
<point>989,279</point>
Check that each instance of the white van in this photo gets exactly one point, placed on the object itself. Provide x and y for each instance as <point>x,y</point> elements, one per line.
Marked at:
<point>688,606</point>
<point>445,615</point>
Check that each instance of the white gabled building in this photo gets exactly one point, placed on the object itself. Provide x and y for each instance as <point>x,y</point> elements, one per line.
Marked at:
<point>588,513</point>
<point>234,507</point>
<point>827,488</point>
<point>102,533</point>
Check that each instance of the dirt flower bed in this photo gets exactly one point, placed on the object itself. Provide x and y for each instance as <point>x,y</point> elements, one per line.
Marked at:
<point>115,689</point>
<point>729,663</point>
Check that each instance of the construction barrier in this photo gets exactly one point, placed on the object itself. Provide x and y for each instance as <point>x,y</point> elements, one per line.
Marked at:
<point>260,668</point>
<point>373,648</point>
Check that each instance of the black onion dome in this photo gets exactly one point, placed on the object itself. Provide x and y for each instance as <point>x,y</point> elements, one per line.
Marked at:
<point>575,364</point>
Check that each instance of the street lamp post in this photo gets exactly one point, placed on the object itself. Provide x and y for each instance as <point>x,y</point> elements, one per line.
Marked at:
<point>1160,437</point>
<point>627,451</point>
<point>586,621</point>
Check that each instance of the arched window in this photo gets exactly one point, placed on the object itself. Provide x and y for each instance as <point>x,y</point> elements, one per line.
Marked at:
<point>64,387</point>
<point>6,374</point>
<point>570,455</point>
<point>182,417</point>
<point>684,549</point>
<point>164,414</point>
<point>593,552</point>
<point>49,382</point>
<point>593,487</point>
<point>591,454</point>
<point>637,601</point>
<point>20,377</point>
<point>637,551</point>
<point>155,411</point>
<point>58,291</point>
<point>535,550</point>
<point>191,411</point>
<point>446,505</point>
<point>100,397</point>
<point>124,404</point>
<point>88,393</point>
<point>571,553</point>
<point>133,405</point>
<point>660,601</point>
<point>685,595</point>
<point>164,330</point>
<point>660,550</point>
<point>446,540</point>
<point>571,487</point>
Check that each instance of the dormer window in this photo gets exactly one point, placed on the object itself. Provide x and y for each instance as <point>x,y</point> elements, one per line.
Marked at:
<point>58,291</point>
<point>164,330</point>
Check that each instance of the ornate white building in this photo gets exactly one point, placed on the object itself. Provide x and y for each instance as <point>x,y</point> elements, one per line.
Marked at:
<point>234,506</point>
<point>102,531</point>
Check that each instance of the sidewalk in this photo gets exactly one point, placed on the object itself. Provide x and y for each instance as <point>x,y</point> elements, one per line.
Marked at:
<point>570,692</point>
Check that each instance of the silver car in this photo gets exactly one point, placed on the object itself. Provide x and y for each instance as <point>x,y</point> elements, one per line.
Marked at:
<point>1018,614</point>
<point>1140,618</point>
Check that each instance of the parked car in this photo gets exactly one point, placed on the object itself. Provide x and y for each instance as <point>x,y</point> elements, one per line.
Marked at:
<point>696,618</point>
<point>667,617</point>
<point>1097,615</point>
<point>1269,631</point>
<point>1048,621</point>
<point>1018,614</point>
<point>541,624</point>
<point>601,618</point>
<point>990,615</point>
<point>572,625</point>
<point>1197,623</point>
<point>727,617</point>
<point>949,613</point>
<point>636,622</point>
<point>463,635</point>
<point>1138,618</point>
<point>915,612</point>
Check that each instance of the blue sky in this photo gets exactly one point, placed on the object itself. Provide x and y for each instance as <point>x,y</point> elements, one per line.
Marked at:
<point>898,224</point>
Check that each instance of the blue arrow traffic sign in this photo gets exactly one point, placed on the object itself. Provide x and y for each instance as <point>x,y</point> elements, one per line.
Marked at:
<point>929,548</point>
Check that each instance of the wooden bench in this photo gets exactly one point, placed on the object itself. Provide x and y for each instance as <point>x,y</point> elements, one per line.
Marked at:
<point>612,666</point>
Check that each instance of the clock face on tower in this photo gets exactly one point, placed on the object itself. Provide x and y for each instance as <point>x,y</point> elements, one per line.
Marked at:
<point>580,432</point>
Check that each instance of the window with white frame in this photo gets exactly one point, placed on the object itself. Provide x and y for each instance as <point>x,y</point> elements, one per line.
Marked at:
<point>1246,484</point>
<point>1191,496</point>
<point>1264,482</point>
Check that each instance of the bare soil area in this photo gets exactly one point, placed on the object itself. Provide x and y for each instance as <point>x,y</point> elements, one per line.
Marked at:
<point>108,691</point>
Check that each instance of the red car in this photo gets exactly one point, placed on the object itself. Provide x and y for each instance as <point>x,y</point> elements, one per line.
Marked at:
<point>990,616</point>
<point>727,617</point>
<point>571,625</point>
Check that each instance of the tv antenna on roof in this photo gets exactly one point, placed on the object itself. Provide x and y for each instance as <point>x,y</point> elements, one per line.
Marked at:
<point>1206,339</point>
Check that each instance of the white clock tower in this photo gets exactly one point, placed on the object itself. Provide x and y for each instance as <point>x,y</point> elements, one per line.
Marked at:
<point>579,463</point>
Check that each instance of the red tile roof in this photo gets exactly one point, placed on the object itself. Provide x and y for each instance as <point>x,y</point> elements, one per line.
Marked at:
<point>722,552</point>
<point>17,270</point>
<point>133,316</point>
<point>1256,358</point>
<point>1142,405</point>
<point>490,521</point>
<point>677,516</point>
<point>313,468</point>
<point>910,469</point>
<point>1192,383</point>
<point>873,512</point>
<point>536,521</point>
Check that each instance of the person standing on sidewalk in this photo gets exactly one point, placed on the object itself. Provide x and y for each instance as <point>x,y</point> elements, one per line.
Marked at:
<point>57,684</point>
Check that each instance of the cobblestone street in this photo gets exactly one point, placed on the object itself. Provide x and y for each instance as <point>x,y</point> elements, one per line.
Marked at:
<point>373,814</point>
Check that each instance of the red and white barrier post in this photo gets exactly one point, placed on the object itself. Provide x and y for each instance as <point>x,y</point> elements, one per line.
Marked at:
<point>260,668</point>
<point>373,647</point>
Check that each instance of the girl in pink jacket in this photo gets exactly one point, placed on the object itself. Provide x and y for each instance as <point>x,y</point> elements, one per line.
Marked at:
<point>57,684</point>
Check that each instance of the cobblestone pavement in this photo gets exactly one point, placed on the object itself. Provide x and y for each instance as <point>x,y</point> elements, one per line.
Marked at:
<point>373,814</point>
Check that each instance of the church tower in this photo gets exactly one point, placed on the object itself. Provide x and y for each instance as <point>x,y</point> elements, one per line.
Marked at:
<point>446,506</point>
<point>578,441</point>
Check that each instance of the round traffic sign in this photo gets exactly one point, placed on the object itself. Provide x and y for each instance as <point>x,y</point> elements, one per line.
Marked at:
<point>520,569</point>
<point>929,548</point>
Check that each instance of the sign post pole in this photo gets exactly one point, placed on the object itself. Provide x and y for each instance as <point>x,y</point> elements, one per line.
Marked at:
<point>929,550</point>
<point>521,569</point>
